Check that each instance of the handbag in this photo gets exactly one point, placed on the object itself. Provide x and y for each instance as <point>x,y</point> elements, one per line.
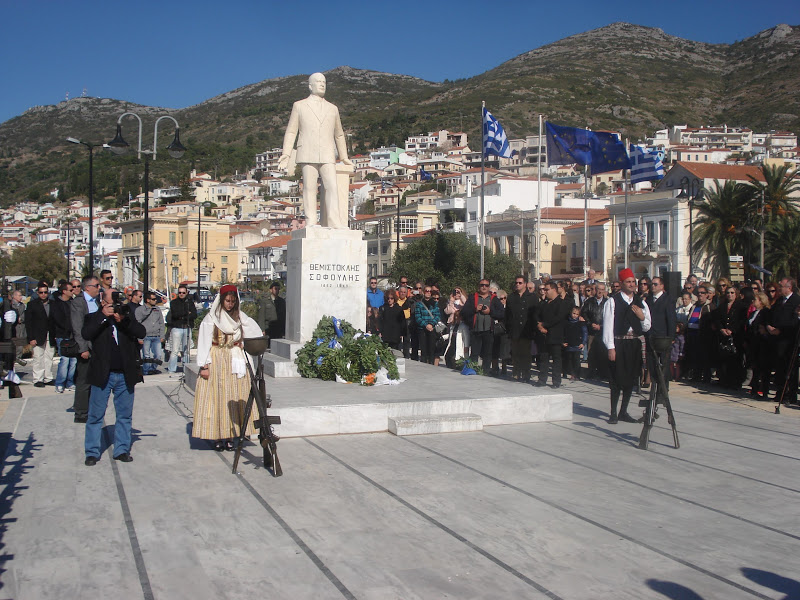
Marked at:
<point>69,348</point>
<point>727,347</point>
<point>440,328</point>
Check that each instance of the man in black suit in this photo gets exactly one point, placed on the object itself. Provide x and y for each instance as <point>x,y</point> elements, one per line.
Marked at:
<point>114,367</point>
<point>663,321</point>
<point>553,314</point>
<point>783,333</point>
<point>40,335</point>
<point>520,311</point>
<point>85,302</point>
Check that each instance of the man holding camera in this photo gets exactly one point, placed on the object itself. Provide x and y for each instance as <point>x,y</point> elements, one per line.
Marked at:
<point>86,302</point>
<point>150,316</point>
<point>114,367</point>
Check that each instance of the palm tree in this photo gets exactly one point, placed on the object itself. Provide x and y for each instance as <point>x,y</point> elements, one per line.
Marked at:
<point>775,190</point>
<point>719,226</point>
<point>783,248</point>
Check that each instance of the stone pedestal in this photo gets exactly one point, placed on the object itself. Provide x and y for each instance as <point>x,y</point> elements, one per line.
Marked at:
<point>326,275</point>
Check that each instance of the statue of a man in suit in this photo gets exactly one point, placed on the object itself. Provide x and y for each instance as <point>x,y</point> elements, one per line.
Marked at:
<point>316,126</point>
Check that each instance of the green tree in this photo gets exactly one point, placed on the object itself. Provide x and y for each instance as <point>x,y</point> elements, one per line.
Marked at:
<point>719,226</point>
<point>782,242</point>
<point>776,188</point>
<point>45,261</point>
<point>452,259</point>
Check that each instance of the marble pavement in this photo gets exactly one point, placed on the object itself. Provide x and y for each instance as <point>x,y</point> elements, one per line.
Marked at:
<point>568,510</point>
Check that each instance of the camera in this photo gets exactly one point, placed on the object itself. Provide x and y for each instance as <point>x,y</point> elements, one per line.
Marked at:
<point>118,302</point>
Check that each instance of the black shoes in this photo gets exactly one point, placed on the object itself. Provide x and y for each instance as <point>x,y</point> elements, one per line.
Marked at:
<point>78,419</point>
<point>219,446</point>
<point>625,417</point>
<point>124,457</point>
<point>90,461</point>
<point>39,384</point>
<point>612,420</point>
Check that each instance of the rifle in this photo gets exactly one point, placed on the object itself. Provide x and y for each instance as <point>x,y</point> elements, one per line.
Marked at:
<point>651,410</point>
<point>256,347</point>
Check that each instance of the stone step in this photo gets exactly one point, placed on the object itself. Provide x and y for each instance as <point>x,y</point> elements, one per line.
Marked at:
<point>279,366</point>
<point>284,348</point>
<point>421,424</point>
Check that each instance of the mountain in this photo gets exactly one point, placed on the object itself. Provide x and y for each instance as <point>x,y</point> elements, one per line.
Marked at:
<point>621,77</point>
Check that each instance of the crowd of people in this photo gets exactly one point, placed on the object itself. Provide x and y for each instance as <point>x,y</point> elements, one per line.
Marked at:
<point>738,337</point>
<point>107,341</point>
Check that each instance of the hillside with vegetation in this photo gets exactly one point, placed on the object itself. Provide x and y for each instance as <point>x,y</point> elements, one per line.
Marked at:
<point>621,77</point>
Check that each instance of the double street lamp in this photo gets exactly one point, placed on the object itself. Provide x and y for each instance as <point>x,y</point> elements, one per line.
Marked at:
<point>176,150</point>
<point>692,191</point>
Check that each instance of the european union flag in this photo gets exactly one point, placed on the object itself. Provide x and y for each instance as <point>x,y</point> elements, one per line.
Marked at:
<point>608,153</point>
<point>568,145</point>
<point>424,175</point>
<point>600,150</point>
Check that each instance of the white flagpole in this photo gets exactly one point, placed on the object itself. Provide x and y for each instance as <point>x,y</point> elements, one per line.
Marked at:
<point>626,175</point>
<point>586,172</point>
<point>482,235</point>
<point>539,203</point>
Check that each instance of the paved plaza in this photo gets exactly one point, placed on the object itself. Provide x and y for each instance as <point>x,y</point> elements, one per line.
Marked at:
<point>569,509</point>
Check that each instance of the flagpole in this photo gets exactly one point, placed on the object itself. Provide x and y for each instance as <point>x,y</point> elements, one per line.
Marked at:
<point>483,164</point>
<point>539,202</point>
<point>626,174</point>
<point>586,172</point>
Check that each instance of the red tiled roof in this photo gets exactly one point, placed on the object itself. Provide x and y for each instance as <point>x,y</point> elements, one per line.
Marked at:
<point>419,234</point>
<point>276,242</point>
<point>722,172</point>
<point>561,213</point>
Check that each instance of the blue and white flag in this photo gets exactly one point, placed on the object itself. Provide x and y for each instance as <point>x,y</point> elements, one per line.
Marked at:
<point>645,165</point>
<point>424,175</point>
<point>494,137</point>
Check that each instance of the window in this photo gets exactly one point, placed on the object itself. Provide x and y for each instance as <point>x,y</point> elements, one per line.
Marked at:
<point>224,260</point>
<point>621,235</point>
<point>171,239</point>
<point>408,225</point>
<point>174,275</point>
<point>224,275</point>
<point>175,258</point>
<point>574,249</point>
<point>473,215</point>
<point>650,232</point>
<point>663,234</point>
<point>595,250</point>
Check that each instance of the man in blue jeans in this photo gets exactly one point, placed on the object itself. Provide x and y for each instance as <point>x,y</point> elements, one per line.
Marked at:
<point>150,316</point>
<point>181,318</point>
<point>113,367</point>
<point>62,329</point>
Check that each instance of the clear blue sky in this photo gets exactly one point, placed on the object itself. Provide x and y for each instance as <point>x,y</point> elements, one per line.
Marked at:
<point>175,53</point>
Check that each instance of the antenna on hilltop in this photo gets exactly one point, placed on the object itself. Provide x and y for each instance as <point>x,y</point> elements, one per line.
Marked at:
<point>84,93</point>
<point>66,99</point>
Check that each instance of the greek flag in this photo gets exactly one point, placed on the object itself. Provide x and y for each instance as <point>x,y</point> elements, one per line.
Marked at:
<point>494,137</point>
<point>645,165</point>
<point>424,175</point>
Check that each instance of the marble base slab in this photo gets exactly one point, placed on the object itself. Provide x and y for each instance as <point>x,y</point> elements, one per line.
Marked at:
<point>419,425</point>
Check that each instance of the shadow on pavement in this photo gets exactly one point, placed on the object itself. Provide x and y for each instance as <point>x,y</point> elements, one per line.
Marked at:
<point>673,590</point>
<point>13,472</point>
<point>776,582</point>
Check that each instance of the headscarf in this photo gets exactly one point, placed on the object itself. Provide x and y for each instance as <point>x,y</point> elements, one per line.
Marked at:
<point>224,322</point>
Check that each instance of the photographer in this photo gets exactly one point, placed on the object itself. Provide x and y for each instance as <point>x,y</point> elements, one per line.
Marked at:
<point>181,318</point>
<point>150,316</point>
<point>114,367</point>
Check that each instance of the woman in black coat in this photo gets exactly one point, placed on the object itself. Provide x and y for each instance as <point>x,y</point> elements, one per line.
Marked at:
<point>729,323</point>
<point>756,346</point>
<point>391,321</point>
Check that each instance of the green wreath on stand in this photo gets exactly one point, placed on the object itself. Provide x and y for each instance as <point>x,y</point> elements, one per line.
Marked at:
<point>338,348</point>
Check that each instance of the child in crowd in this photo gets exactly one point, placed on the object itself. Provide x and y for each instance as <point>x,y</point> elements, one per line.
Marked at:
<point>576,338</point>
<point>676,352</point>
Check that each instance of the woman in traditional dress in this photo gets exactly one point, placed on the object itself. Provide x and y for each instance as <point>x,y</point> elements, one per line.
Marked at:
<point>223,385</point>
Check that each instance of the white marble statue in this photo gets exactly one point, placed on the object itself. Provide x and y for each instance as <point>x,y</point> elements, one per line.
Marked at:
<point>316,126</point>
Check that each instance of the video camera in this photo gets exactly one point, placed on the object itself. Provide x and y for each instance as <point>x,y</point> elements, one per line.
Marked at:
<point>118,302</point>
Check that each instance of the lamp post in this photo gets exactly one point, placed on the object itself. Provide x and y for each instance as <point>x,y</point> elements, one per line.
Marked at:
<point>91,148</point>
<point>539,244</point>
<point>200,209</point>
<point>690,191</point>
<point>246,262</point>
<point>176,150</point>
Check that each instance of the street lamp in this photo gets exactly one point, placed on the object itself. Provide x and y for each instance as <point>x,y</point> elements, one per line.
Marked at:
<point>91,148</point>
<point>175,149</point>
<point>246,262</point>
<point>691,191</point>
<point>200,209</point>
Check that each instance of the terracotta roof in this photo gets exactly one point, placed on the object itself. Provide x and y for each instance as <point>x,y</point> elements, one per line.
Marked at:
<point>276,242</point>
<point>722,172</point>
<point>419,234</point>
<point>592,223</point>
<point>569,186</point>
<point>560,213</point>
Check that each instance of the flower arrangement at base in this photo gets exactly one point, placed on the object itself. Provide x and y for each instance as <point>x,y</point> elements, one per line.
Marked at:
<point>338,351</point>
